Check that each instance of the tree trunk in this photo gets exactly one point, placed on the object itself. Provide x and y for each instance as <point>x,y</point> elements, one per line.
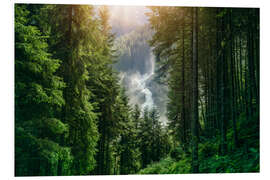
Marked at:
<point>194,124</point>
<point>233,107</point>
<point>183,87</point>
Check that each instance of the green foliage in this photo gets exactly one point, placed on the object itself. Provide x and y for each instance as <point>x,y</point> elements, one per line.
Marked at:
<point>72,38</point>
<point>208,148</point>
<point>36,156</point>
<point>179,161</point>
<point>183,166</point>
<point>168,166</point>
<point>73,118</point>
<point>154,140</point>
<point>239,161</point>
<point>55,126</point>
<point>227,48</point>
<point>38,98</point>
<point>161,167</point>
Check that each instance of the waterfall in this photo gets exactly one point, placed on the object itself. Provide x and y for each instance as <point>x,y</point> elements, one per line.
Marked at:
<point>136,65</point>
<point>146,91</point>
<point>143,90</point>
<point>136,84</point>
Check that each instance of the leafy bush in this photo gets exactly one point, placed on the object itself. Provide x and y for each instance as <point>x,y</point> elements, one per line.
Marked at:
<point>209,161</point>
<point>168,166</point>
<point>234,162</point>
<point>208,149</point>
<point>161,167</point>
<point>183,166</point>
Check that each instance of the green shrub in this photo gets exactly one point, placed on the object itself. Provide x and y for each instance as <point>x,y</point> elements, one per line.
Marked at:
<point>161,167</point>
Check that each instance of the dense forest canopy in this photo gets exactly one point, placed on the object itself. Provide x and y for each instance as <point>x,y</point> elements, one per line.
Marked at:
<point>97,95</point>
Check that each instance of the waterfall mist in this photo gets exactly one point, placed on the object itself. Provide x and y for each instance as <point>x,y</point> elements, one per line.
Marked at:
<point>143,90</point>
<point>137,86</point>
<point>136,62</point>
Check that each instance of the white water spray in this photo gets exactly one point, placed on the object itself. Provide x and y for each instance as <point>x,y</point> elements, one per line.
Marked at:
<point>147,93</point>
<point>137,88</point>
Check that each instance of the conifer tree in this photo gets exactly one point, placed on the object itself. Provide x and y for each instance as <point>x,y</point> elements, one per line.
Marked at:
<point>38,100</point>
<point>73,29</point>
